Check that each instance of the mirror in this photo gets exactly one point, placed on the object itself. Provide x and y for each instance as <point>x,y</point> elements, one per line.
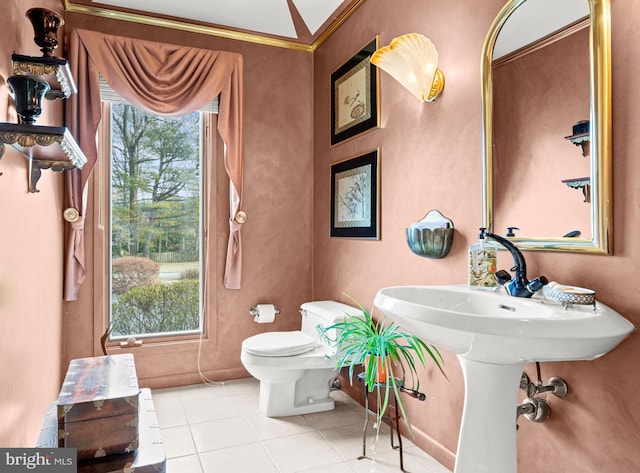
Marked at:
<point>546,126</point>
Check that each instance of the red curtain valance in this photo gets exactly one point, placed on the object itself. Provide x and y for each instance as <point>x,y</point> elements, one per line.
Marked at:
<point>164,79</point>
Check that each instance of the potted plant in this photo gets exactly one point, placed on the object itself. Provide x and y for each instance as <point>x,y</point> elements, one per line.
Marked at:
<point>380,347</point>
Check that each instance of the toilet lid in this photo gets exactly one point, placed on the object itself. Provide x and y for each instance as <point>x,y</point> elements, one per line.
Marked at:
<point>279,344</point>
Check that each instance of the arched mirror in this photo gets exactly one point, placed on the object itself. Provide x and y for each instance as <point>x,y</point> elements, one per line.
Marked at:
<point>546,130</point>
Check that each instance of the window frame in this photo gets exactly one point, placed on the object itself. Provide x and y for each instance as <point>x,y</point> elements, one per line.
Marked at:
<point>170,343</point>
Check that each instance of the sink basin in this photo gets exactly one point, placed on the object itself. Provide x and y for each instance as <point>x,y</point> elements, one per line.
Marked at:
<point>497,328</point>
<point>493,336</point>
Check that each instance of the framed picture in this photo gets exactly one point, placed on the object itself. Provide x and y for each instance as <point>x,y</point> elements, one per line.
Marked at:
<point>355,193</point>
<point>354,96</point>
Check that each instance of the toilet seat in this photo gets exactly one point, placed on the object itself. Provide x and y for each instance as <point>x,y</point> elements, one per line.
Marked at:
<point>279,344</point>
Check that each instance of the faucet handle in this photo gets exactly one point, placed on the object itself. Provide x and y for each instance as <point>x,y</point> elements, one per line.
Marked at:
<point>536,284</point>
<point>510,231</point>
<point>502,277</point>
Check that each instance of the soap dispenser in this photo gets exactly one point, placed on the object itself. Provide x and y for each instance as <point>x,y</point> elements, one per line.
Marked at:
<point>482,264</point>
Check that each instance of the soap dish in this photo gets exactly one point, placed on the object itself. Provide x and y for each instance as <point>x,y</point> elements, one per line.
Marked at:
<point>432,236</point>
<point>568,295</point>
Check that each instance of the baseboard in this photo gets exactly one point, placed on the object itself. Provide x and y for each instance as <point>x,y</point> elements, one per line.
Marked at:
<point>185,379</point>
<point>431,446</point>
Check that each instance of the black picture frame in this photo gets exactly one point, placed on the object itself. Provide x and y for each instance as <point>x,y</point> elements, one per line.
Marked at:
<point>355,96</point>
<point>355,197</point>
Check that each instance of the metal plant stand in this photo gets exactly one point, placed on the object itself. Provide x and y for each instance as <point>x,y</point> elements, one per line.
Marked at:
<point>394,420</point>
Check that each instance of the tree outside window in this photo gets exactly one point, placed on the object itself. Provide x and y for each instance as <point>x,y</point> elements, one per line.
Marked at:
<point>155,222</point>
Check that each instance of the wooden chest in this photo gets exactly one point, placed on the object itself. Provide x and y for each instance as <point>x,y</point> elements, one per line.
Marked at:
<point>148,458</point>
<point>98,406</point>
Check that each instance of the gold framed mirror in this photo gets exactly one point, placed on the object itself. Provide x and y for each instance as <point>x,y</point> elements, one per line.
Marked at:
<point>520,191</point>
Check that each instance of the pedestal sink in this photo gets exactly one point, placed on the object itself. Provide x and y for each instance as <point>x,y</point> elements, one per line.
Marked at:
<point>493,336</point>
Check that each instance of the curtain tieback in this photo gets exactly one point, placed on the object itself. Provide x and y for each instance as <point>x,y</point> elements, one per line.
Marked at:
<point>241,217</point>
<point>71,215</point>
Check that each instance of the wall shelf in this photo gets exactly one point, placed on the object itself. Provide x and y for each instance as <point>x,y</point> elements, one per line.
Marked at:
<point>55,147</point>
<point>583,183</point>
<point>45,147</point>
<point>581,136</point>
<point>47,66</point>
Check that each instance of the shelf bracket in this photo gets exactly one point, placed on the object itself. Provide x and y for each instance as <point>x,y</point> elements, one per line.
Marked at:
<point>66,156</point>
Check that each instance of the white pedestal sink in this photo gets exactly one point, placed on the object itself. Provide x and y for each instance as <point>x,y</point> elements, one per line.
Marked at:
<point>494,335</point>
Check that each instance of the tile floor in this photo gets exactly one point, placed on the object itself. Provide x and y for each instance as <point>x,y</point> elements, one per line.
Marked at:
<point>218,428</point>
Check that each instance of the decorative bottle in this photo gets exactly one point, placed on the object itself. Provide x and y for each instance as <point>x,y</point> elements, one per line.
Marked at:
<point>482,265</point>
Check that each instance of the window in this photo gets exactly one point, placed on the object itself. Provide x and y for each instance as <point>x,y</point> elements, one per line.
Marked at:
<point>156,222</point>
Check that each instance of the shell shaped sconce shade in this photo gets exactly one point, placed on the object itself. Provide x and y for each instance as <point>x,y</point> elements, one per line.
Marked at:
<point>412,60</point>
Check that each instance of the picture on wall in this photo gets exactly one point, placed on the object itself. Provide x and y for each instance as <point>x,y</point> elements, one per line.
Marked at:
<point>354,96</point>
<point>355,193</point>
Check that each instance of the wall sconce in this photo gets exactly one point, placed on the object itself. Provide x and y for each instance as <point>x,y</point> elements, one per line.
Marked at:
<point>412,60</point>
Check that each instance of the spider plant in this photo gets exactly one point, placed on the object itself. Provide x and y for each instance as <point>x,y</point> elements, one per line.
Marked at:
<point>380,345</point>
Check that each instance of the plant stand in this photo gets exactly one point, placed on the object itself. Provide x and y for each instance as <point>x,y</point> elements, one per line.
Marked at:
<point>394,421</point>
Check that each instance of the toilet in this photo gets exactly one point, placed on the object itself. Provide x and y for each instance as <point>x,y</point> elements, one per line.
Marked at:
<point>296,368</point>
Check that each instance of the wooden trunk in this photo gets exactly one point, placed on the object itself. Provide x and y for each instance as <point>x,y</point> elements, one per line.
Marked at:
<point>148,458</point>
<point>98,406</point>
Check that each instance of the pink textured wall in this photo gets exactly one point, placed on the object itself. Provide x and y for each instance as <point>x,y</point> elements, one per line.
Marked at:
<point>30,260</point>
<point>431,158</point>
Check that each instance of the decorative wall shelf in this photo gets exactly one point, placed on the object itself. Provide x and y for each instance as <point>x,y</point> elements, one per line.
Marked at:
<point>583,183</point>
<point>55,147</point>
<point>581,136</point>
<point>47,66</point>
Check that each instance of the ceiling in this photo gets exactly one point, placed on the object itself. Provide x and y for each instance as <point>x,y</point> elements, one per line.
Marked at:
<point>305,24</point>
<point>294,24</point>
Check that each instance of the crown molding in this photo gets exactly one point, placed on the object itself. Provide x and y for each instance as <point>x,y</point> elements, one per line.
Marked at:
<point>140,18</point>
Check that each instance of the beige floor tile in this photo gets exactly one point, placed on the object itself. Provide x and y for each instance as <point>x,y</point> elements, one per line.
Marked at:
<point>188,464</point>
<point>342,415</point>
<point>217,434</point>
<point>250,458</point>
<point>341,396</point>
<point>432,465</point>
<point>343,467</point>
<point>177,441</point>
<point>208,409</point>
<point>273,427</point>
<point>169,410</point>
<point>302,452</point>
<point>347,440</point>
<point>243,386</point>
<point>248,404</point>
<point>212,429</point>
<point>389,462</point>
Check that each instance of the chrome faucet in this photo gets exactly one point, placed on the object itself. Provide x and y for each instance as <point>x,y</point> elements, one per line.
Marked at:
<point>519,286</point>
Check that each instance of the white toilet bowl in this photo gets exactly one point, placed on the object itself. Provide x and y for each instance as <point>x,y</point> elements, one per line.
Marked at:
<point>295,368</point>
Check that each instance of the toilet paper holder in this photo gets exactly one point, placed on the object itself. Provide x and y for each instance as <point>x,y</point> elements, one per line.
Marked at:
<point>254,311</point>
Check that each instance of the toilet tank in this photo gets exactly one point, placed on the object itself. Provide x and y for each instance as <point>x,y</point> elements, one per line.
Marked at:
<point>325,314</point>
